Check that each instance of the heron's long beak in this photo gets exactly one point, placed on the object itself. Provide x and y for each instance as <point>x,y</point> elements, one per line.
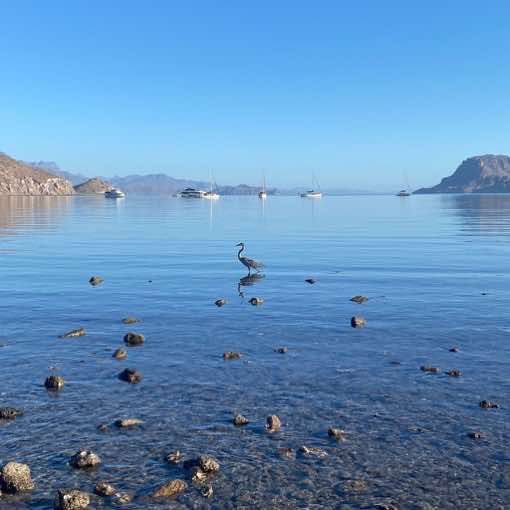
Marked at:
<point>240,244</point>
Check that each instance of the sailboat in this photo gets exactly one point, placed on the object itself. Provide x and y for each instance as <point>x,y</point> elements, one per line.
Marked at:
<point>211,195</point>
<point>404,192</point>
<point>312,193</point>
<point>263,192</point>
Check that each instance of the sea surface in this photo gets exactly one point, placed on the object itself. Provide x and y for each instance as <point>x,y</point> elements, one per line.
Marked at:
<point>436,270</point>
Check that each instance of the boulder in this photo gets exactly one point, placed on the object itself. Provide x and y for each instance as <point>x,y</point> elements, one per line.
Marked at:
<point>311,281</point>
<point>282,350</point>
<point>170,488</point>
<point>128,422</point>
<point>130,375</point>
<point>337,433</point>
<point>10,413</point>
<point>230,355</point>
<point>273,423</point>
<point>54,382</point>
<point>311,451</point>
<point>255,301</point>
<point>16,477</point>
<point>74,333</point>
<point>119,354</point>
<point>359,299</point>
<point>174,457</point>
<point>430,369</point>
<point>220,302</point>
<point>85,459</point>
<point>96,280</point>
<point>487,404</point>
<point>240,420</point>
<point>130,320</point>
<point>104,489</point>
<point>454,372</point>
<point>132,339</point>
<point>357,321</point>
<point>71,500</point>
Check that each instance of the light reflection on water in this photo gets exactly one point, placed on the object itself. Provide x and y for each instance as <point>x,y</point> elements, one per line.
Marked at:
<point>434,268</point>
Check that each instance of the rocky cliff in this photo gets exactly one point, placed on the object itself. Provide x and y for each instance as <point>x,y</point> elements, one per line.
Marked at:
<point>17,178</point>
<point>95,185</point>
<point>479,174</point>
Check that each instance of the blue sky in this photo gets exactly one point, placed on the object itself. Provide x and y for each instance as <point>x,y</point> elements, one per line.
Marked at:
<point>357,92</point>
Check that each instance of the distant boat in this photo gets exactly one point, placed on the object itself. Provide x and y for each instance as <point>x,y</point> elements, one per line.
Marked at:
<point>263,192</point>
<point>403,193</point>
<point>192,193</point>
<point>312,193</point>
<point>211,195</point>
<point>114,193</point>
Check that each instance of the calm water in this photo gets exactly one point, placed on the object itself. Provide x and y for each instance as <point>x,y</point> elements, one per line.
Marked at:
<point>436,272</point>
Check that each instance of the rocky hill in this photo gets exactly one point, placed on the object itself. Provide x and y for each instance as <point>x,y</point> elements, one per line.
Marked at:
<point>94,185</point>
<point>17,178</point>
<point>479,174</point>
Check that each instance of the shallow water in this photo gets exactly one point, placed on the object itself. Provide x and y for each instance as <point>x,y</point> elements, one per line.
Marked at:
<point>435,269</point>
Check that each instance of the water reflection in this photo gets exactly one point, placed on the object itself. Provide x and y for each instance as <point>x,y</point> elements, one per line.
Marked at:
<point>248,281</point>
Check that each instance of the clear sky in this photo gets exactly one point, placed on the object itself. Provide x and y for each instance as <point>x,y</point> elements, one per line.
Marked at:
<point>358,92</point>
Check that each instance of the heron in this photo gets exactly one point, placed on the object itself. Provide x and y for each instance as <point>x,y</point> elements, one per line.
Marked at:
<point>249,263</point>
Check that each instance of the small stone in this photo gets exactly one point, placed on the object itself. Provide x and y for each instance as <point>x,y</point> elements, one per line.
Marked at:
<point>122,498</point>
<point>130,375</point>
<point>311,281</point>
<point>220,302</point>
<point>310,451</point>
<point>454,349</point>
<point>357,321</point>
<point>54,382</point>
<point>240,420</point>
<point>454,372</point>
<point>230,355</point>
<point>170,488</point>
<point>273,423</point>
<point>282,350</point>
<point>95,280</point>
<point>132,339</point>
<point>74,333</point>
<point>255,301</point>
<point>208,492</point>
<point>430,369</point>
<point>71,500</point>
<point>336,433</point>
<point>286,453</point>
<point>130,320</point>
<point>104,489</point>
<point>10,413</point>
<point>208,464</point>
<point>359,299</point>
<point>85,459</point>
<point>476,435</point>
<point>119,354</point>
<point>127,423</point>
<point>16,477</point>
<point>174,457</point>
<point>487,404</point>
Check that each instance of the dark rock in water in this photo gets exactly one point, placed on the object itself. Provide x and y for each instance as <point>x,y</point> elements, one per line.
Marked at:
<point>230,355</point>
<point>128,423</point>
<point>311,281</point>
<point>359,299</point>
<point>220,302</point>
<point>119,354</point>
<point>95,280</point>
<point>103,427</point>
<point>104,489</point>
<point>208,492</point>
<point>132,339</point>
<point>255,301</point>
<point>282,350</point>
<point>85,459</point>
<point>174,457</point>
<point>357,321</point>
<point>454,349</point>
<point>130,375</point>
<point>476,435</point>
<point>240,420</point>
<point>170,488</point>
<point>208,464</point>
<point>16,477</point>
<point>130,320</point>
<point>355,486</point>
<point>121,498</point>
<point>287,453</point>
<point>386,506</point>
<point>273,423</point>
<point>74,333</point>
<point>310,451</point>
<point>454,372</point>
<point>197,475</point>
<point>54,382</point>
<point>487,404</point>
<point>430,369</point>
<point>10,413</point>
<point>71,500</point>
<point>338,434</point>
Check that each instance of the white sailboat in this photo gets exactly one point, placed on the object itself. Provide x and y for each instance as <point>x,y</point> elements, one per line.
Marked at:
<point>404,192</point>
<point>211,195</point>
<point>312,193</point>
<point>263,192</point>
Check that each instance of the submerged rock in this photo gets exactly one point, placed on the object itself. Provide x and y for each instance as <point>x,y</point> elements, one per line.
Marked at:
<point>338,434</point>
<point>240,420</point>
<point>85,459</point>
<point>454,372</point>
<point>103,427</point>
<point>208,492</point>
<point>454,349</point>
<point>358,322</point>
<point>282,350</point>
<point>476,435</point>
<point>130,375</point>
<point>273,423</point>
<point>10,413</point>
<point>386,506</point>
<point>430,369</point>
<point>310,451</point>
<point>121,498</point>
<point>16,477</point>
<point>197,475</point>
<point>255,301</point>
<point>287,453</point>
<point>359,299</point>
<point>119,354</point>
<point>74,333</point>
<point>54,382</point>
<point>95,280</point>
<point>127,423</point>
<point>208,464</point>
<point>174,457</point>
<point>130,320</point>
<point>170,488</point>
<point>487,404</point>
<point>71,500</point>
<point>231,355</point>
<point>220,302</point>
<point>104,489</point>
<point>311,281</point>
<point>132,339</point>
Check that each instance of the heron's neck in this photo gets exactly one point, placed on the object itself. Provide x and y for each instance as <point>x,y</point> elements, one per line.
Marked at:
<point>240,251</point>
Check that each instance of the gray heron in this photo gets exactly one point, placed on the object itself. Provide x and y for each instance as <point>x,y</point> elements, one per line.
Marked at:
<point>249,263</point>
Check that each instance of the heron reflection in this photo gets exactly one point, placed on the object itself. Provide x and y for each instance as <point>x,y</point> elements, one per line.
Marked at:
<point>248,281</point>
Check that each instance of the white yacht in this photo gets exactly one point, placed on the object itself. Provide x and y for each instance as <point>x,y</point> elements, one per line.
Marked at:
<point>263,192</point>
<point>114,193</point>
<point>403,193</point>
<point>311,194</point>
<point>192,193</point>
<point>211,195</point>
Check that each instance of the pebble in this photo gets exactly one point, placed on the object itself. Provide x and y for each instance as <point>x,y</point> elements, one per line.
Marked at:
<point>74,333</point>
<point>174,457</point>
<point>104,489</point>
<point>454,372</point>
<point>487,404</point>
<point>359,299</point>
<point>170,488</point>
<point>231,355</point>
<point>430,369</point>
<point>71,500</point>
<point>10,413</point>
<point>255,301</point>
<point>130,320</point>
<point>132,339</point>
<point>85,459</point>
<point>96,280</point>
<point>54,382</point>
<point>119,354</point>
<point>127,423</point>
<point>220,302</point>
<point>240,420</point>
<point>130,375</point>
<point>273,423</point>
<point>357,321</point>
<point>16,477</point>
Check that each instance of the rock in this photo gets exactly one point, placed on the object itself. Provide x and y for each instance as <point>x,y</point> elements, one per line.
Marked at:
<point>121,498</point>
<point>71,500</point>
<point>74,333</point>
<point>454,349</point>
<point>286,453</point>
<point>130,320</point>
<point>430,369</point>
<point>336,433</point>
<point>132,339</point>
<point>119,354</point>
<point>476,435</point>
<point>93,186</point>
<point>311,281</point>
<point>310,451</point>
<point>487,404</point>
<point>208,492</point>
<point>454,372</point>
<point>170,488</point>
<point>273,423</point>
<point>208,464</point>
<point>130,375</point>
<point>16,477</point>
<point>220,302</point>
<point>255,301</point>
<point>239,420</point>
<point>386,506</point>
<point>128,422</point>
<point>357,321</point>
<point>282,350</point>
<point>197,475</point>
<point>85,459</point>
<point>174,457</point>
<point>54,382</point>
<point>103,427</point>
<point>359,299</point>
<point>96,280</point>
<point>104,489</point>
<point>10,413</point>
<point>355,486</point>
<point>230,355</point>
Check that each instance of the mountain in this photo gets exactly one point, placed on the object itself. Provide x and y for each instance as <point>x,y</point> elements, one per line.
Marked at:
<point>479,174</point>
<point>52,168</point>
<point>154,183</point>
<point>18,178</point>
<point>94,185</point>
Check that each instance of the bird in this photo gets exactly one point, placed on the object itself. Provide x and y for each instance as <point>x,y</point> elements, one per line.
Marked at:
<point>249,263</point>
